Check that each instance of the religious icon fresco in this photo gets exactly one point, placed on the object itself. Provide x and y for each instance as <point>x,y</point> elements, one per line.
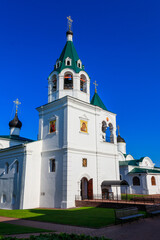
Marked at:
<point>84,162</point>
<point>83,126</point>
<point>52,126</point>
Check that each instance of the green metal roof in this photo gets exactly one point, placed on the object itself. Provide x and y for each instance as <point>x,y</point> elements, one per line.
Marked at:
<point>144,170</point>
<point>130,162</point>
<point>134,162</point>
<point>97,101</point>
<point>69,51</point>
<point>17,138</point>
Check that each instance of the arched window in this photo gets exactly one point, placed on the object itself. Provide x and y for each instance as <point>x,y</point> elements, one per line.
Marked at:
<point>16,167</point>
<point>3,198</point>
<point>153,181</point>
<point>54,81</point>
<point>68,61</point>
<point>68,81</point>
<point>136,181</point>
<point>79,63</point>
<point>58,64</point>
<point>6,168</point>
<point>107,132</point>
<point>83,83</point>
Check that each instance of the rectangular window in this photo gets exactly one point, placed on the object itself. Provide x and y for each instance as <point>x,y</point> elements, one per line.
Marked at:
<point>84,162</point>
<point>52,165</point>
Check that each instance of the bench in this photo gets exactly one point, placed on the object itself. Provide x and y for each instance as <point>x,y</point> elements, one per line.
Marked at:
<point>153,209</point>
<point>127,214</point>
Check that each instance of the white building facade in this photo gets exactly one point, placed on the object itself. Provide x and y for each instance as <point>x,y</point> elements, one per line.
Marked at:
<point>141,174</point>
<point>76,152</point>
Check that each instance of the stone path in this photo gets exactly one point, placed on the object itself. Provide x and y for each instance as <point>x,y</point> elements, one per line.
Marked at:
<point>145,229</point>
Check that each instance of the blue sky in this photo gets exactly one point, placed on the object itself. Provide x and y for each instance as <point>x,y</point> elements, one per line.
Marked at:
<point>119,44</point>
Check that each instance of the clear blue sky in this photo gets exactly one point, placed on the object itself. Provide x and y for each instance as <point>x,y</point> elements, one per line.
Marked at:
<point>119,44</point>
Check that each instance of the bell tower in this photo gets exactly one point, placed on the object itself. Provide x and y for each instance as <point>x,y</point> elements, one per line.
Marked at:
<point>69,76</point>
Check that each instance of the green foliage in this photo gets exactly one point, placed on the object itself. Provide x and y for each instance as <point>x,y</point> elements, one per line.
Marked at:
<point>61,236</point>
<point>86,216</point>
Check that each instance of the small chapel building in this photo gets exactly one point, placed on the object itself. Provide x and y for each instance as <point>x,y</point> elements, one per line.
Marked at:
<point>141,174</point>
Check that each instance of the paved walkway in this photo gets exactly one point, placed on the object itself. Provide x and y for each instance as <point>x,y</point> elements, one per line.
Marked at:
<point>145,229</point>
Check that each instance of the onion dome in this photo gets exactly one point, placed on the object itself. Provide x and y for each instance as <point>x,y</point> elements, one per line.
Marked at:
<point>15,123</point>
<point>120,139</point>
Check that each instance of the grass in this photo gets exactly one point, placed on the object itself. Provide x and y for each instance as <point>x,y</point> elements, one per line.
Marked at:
<point>86,216</point>
<point>131,196</point>
<point>7,229</point>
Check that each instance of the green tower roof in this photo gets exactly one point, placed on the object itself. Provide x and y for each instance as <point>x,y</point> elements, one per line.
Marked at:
<point>97,101</point>
<point>69,51</point>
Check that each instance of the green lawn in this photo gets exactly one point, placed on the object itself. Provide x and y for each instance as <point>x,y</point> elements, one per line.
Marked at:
<point>86,216</point>
<point>7,229</point>
<point>131,196</point>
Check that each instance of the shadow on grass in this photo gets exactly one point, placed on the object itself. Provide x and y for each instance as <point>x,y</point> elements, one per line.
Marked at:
<point>87,217</point>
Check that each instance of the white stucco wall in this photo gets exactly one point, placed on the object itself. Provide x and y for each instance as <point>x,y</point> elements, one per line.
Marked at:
<point>12,183</point>
<point>68,146</point>
<point>153,189</point>
<point>32,175</point>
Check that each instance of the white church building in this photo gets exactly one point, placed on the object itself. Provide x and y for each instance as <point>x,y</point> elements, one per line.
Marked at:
<point>76,153</point>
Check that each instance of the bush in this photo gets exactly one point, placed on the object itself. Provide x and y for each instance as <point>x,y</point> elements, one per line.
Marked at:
<point>61,236</point>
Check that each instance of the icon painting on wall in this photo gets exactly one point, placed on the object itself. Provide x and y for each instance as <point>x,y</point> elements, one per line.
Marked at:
<point>52,126</point>
<point>84,162</point>
<point>83,126</point>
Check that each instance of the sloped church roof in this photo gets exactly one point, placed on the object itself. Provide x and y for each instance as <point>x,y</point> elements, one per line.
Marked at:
<point>69,51</point>
<point>96,101</point>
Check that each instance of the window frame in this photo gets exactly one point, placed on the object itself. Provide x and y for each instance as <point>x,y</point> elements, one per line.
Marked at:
<point>54,83</point>
<point>79,64</point>
<point>83,83</point>
<point>135,183</point>
<point>3,198</point>
<point>153,181</point>
<point>69,84</point>
<point>52,165</point>
<point>6,168</point>
<point>68,60</point>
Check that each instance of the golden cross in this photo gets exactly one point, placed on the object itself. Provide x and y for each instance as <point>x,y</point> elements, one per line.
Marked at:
<point>17,102</point>
<point>95,83</point>
<point>118,130</point>
<point>69,22</point>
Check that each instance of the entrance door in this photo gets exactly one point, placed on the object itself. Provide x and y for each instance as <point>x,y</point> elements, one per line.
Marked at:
<point>105,193</point>
<point>86,188</point>
<point>90,189</point>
